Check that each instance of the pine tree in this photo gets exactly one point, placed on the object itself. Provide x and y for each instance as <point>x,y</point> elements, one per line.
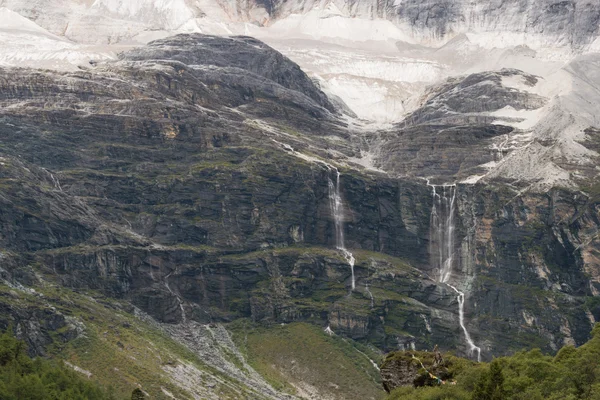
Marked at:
<point>137,394</point>
<point>496,381</point>
<point>490,385</point>
<point>481,387</point>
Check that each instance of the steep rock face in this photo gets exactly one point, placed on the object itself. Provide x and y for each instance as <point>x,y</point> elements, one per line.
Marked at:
<point>454,134</point>
<point>39,327</point>
<point>283,286</point>
<point>167,179</point>
<point>199,192</point>
<point>525,263</point>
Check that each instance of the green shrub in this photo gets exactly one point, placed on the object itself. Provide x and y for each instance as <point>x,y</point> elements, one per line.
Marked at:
<point>38,379</point>
<point>573,374</point>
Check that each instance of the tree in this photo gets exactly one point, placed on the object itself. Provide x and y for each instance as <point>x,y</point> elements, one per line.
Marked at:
<point>490,385</point>
<point>137,394</point>
<point>496,381</point>
<point>39,379</point>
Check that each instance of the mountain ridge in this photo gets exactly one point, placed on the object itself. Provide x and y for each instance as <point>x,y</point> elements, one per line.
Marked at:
<point>193,185</point>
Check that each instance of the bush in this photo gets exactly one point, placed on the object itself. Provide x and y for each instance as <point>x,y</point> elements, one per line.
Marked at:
<point>573,374</point>
<point>24,378</point>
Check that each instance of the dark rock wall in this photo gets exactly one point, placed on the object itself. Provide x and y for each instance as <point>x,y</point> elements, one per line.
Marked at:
<point>167,185</point>
<point>527,265</point>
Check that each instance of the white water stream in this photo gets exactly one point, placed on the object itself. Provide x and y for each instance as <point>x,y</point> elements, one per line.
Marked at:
<point>183,318</point>
<point>461,320</point>
<point>337,209</point>
<point>442,247</point>
<point>370,295</point>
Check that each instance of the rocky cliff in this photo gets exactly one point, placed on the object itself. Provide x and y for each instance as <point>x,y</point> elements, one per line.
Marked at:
<point>190,180</point>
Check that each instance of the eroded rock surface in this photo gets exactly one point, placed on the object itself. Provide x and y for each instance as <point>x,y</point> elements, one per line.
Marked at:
<point>195,186</point>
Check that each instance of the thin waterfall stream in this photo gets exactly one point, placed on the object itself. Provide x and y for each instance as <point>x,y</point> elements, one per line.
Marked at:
<point>183,318</point>
<point>443,235</point>
<point>337,209</point>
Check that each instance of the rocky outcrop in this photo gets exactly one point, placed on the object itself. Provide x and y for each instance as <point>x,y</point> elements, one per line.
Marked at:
<point>413,368</point>
<point>163,183</point>
<point>531,255</point>
<point>240,52</point>
<point>454,134</point>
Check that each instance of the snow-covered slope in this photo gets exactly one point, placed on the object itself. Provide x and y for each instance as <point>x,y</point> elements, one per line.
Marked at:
<point>378,56</point>
<point>538,23</point>
<point>552,148</point>
<point>26,44</point>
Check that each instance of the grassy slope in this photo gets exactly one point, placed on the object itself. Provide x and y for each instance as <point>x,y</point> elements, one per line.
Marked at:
<point>300,357</point>
<point>120,350</point>
<point>123,352</point>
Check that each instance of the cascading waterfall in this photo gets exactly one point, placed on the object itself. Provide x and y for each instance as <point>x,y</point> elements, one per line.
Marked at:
<point>337,209</point>
<point>442,221</point>
<point>442,249</point>
<point>461,320</point>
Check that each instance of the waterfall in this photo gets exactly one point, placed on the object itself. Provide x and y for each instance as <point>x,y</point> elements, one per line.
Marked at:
<point>176,295</point>
<point>370,295</point>
<point>337,209</point>
<point>442,236</point>
<point>442,223</point>
<point>56,182</point>
<point>461,320</point>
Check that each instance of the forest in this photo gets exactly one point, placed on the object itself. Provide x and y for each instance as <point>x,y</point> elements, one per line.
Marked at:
<point>572,374</point>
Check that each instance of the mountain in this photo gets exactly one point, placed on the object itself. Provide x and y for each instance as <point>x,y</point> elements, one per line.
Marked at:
<point>207,215</point>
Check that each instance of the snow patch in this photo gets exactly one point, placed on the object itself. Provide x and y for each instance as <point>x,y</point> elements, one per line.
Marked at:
<point>11,21</point>
<point>171,14</point>
<point>471,180</point>
<point>520,119</point>
<point>327,25</point>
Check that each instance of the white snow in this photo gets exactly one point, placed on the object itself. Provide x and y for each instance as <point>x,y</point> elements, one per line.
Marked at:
<point>26,44</point>
<point>378,84</point>
<point>521,119</point>
<point>381,69</point>
<point>166,14</point>
<point>315,25</point>
<point>369,99</point>
<point>500,38</point>
<point>473,179</point>
<point>13,22</point>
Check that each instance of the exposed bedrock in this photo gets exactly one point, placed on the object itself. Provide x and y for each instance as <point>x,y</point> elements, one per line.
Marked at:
<point>198,190</point>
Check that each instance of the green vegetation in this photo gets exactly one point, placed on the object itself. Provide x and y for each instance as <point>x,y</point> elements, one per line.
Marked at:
<point>573,374</point>
<point>24,378</point>
<point>120,350</point>
<point>299,357</point>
